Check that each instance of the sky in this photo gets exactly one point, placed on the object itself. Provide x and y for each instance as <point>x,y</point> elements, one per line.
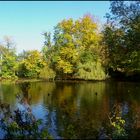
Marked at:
<point>25,21</point>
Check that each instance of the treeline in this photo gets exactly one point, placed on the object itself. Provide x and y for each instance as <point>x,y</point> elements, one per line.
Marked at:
<point>80,50</point>
<point>122,38</point>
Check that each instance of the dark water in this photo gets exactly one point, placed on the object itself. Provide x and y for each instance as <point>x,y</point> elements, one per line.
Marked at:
<point>76,109</point>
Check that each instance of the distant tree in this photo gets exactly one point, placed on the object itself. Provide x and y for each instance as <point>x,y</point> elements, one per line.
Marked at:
<point>31,65</point>
<point>8,65</point>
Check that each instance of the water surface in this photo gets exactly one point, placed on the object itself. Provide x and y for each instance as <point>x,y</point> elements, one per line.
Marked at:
<point>75,109</point>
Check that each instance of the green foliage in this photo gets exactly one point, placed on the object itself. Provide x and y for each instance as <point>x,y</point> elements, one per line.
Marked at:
<point>31,65</point>
<point>116,47</point>
<point>21,124</point>
<point>66,62</point>
<point>79,50</point>
<point>91,71</point>
<point>117,123</point>
<point>75,53</point>
<point>8,64</point>
<point>118,126</point>
<point>121,36</point>
<point>47,73</point>
<point>77,47</point>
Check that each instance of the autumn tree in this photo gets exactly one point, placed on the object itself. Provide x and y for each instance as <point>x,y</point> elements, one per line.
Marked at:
<point>31,65</point>
<point>76,49</point>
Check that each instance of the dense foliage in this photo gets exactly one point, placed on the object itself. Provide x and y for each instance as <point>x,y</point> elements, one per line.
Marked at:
<point>75,52</point>
<point>21,123</point>
<point>122,36</point>
<point>80,50</point>
<point>31,64</point>
<point>8,65</point>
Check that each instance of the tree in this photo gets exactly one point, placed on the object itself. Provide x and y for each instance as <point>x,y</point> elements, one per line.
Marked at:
<point>76,43</point>
<point>31,65</point>
<point>8,65</point>
<point>47,45</point>
<point>121,36</point>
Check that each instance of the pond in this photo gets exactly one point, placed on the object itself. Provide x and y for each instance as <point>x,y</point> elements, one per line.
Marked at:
<point>77,109</point>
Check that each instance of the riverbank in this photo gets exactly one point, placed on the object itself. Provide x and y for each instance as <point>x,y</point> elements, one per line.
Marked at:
<point>20,80</point>
<point>23,80</point>
<point>116,77</point>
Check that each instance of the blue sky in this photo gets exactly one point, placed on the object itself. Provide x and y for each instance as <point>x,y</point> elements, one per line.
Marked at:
<point>25,21</point>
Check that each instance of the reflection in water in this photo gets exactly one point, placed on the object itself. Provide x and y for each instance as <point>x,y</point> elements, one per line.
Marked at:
<point>77,110</point>
<point>24,87</point>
